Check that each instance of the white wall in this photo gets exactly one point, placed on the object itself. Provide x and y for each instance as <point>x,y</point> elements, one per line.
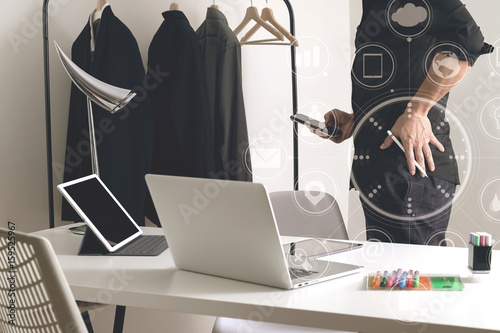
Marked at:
<point>324,31</point>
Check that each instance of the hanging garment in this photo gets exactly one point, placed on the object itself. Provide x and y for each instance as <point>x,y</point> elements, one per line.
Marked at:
<point>221,51</point>
<point>183,137</point>
<point>124,139</point>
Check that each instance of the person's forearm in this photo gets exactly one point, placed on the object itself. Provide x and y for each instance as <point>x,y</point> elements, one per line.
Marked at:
<point>435,87</point>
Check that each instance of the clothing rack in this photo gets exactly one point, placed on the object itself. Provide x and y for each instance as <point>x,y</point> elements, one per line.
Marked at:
<point>48,127</point>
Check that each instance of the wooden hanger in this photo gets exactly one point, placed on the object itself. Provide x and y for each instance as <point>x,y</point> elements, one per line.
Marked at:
<point>268,16</point>
<point>253,14</point>
<point>174,6</point>
<point>100,4</point>
<point>214,6</point>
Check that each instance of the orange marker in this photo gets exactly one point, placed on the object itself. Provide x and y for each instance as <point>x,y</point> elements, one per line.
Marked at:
<point>376,280</point>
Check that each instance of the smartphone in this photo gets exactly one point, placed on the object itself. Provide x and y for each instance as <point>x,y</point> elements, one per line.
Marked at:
<point>315,125</point>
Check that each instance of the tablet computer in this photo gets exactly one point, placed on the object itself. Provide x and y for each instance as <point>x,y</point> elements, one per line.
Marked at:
<point>319,247</point>
<point>101,211</point>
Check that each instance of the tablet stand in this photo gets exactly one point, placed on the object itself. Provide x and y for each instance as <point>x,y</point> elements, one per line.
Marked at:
<point>91,245</point>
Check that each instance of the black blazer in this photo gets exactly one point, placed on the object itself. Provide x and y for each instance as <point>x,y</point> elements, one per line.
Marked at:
<point>183,137</point>
<point>124,139</point>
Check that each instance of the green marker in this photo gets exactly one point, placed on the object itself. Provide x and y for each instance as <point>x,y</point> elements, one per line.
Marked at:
<point>416,279</point>
<point>476,239</point>
<point>384,279</point>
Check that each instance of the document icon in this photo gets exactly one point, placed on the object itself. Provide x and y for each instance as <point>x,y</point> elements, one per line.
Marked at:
<point>266,158</point>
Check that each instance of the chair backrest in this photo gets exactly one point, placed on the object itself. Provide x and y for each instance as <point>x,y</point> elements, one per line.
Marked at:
<point>34,294</point>
<point>308,214</point>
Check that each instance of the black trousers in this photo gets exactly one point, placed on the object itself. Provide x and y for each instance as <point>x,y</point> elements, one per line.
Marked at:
<point>408,209</point>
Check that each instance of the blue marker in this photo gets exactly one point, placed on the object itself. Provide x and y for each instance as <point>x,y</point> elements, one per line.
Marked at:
<point>402,284</point>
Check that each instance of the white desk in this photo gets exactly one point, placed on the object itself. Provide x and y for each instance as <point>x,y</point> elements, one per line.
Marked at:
<point>344,304</point>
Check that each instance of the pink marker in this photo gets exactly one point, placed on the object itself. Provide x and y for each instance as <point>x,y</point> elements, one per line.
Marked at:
<point>390,282</point>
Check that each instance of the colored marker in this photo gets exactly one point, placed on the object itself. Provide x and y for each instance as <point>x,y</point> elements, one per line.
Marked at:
<point>410,278</point>
<point>390,282</point>
<point>416,279</point>
<point>476,239</point>
<point>398,276</point>
<point>488,240</point>
<point>384,279</point>
<point>376,280</point>
<point>482,240</point>
<point>402,284</point>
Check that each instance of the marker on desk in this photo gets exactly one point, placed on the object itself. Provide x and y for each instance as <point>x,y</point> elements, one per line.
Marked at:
<point>403,149</point>
<point>390,282</point>
<point>402,284</point>
<point>476,241</point>
<point>410,278</point>
<point>488,240</point>
<point>384,279</point>
<point>398,276</point>
<point>376,280</point>
<point>416,279</point>
<point>482,240</point>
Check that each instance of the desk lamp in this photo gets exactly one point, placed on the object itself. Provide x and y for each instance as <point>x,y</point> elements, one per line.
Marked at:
<point>108,97</point>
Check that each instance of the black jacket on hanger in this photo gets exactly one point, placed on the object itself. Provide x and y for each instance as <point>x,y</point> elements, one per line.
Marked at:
<point>222,55</point>
<point>183,136</point>
<point>124,139</point>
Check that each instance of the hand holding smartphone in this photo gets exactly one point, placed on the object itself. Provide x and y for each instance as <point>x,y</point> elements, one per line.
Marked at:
<point>315,125</point>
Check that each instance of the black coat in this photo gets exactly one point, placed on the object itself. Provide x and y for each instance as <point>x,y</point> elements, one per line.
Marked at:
<point>183,137</point>
<point>124,139</point>
<point>221,52</point>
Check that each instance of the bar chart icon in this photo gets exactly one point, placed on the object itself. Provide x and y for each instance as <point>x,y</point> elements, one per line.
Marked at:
<point>310,57</point>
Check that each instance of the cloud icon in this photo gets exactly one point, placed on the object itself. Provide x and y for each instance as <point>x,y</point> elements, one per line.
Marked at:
<point>410,15</point>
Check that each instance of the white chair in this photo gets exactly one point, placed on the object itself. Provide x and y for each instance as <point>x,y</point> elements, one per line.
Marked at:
<point>34,294</point>
<point>298,213</point>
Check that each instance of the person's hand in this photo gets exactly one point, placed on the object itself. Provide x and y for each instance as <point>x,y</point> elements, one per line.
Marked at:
<point>415,132</point>
<point>340,120</point>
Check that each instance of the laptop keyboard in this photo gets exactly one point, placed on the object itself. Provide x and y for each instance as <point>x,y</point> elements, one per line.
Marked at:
<point>149,245</point>
<point>299,272</point>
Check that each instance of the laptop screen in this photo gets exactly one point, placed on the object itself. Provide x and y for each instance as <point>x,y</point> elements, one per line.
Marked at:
<point>102,210</point>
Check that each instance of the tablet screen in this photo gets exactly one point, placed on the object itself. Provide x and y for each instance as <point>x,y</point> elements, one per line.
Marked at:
<point>101,209</point>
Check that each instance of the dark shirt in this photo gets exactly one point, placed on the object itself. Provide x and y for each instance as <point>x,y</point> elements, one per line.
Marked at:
<point>396,43</point>
<point>183,136</point>
<point>221,52</point>
<point>124,139</point>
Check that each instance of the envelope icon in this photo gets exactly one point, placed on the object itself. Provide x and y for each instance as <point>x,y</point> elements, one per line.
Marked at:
<point>266,158</point>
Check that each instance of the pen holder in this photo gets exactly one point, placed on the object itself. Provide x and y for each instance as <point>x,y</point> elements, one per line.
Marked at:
<point>479,258</point>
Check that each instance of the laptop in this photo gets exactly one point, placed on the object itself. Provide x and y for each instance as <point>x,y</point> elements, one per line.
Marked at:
<point>228,229</point>
<point>110,228</point>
